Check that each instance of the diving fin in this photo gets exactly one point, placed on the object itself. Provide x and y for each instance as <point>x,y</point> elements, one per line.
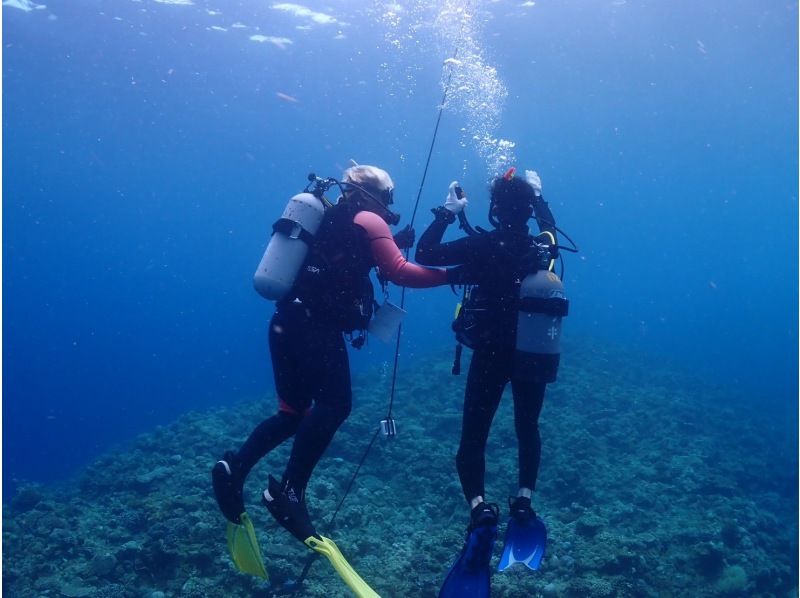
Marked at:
<point>470,575</point>
<point>289,510</point>
<point>525,543</point>
<point>243,546</point>
<point>326,546</point>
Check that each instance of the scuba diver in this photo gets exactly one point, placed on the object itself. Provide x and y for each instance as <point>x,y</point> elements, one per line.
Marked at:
<point>317,269</point>
<point>511,318</point>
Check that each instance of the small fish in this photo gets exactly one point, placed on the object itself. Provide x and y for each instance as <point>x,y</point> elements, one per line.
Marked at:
<point>286,97</point>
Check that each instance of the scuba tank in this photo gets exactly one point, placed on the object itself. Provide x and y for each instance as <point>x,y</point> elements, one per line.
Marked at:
<point>542,305</point>
<point>292,236</point>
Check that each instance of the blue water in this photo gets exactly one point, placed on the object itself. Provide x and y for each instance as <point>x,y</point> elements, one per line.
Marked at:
<point>146,155</point>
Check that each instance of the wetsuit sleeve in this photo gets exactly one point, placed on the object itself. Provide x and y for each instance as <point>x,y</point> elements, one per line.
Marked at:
<point>432,252</point>
<point>547,225</point>
<point>390,260</point>
<point>544,217</point>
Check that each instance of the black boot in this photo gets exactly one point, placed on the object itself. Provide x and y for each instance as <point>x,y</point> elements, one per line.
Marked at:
<point>228,482</point>
<point>484,514</point>
<point>481,535</point>
<point>520,509</point>
<point>288,506</point>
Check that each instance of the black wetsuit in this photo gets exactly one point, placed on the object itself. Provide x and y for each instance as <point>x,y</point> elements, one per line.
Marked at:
<point>489,261</point>
<point>333,295</point>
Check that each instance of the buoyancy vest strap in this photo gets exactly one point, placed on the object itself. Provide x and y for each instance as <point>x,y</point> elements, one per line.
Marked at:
<point>293,230</point>
<point>552,306</point>
<point>552,238</point>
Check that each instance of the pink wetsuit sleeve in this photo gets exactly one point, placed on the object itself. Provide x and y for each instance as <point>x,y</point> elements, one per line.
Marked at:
<point>391,262</point>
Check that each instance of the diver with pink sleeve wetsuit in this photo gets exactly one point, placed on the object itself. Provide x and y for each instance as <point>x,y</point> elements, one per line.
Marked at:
<point>332,296</point>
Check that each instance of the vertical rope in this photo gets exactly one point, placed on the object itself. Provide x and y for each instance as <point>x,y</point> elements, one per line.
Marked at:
<point>413,217</point>
<point>329,526</point>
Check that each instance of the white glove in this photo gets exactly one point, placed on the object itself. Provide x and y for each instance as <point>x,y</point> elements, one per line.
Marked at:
<point>453,203</point>
<point>532,177</point>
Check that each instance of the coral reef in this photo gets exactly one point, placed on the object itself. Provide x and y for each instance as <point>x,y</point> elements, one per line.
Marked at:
<point>651,484</point>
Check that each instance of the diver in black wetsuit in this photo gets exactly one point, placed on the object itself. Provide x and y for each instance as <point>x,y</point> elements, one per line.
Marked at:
<point>332,295</point>
<point>491,261</point>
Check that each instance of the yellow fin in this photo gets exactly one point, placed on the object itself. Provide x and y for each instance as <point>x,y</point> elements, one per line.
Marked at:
<point>243,546</point>
<point>327,547</point>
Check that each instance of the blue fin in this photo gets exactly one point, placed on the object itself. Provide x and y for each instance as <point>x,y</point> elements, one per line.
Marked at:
<point>470,575</point>
<point>525,543</point>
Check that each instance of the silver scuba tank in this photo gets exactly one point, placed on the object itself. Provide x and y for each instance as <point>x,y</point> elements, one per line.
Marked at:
<point>288,246</point>
<point>542,306</point>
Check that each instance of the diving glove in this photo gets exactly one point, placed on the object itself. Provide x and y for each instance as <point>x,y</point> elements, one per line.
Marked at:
<point>453,202</point>
<point>535,181</point>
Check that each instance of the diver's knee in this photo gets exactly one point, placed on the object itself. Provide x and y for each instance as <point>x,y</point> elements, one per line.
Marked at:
<point>334,413</point>
<point>341,411</point>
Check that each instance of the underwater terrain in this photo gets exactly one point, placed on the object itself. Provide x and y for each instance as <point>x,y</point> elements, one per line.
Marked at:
<point>652,484</point>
